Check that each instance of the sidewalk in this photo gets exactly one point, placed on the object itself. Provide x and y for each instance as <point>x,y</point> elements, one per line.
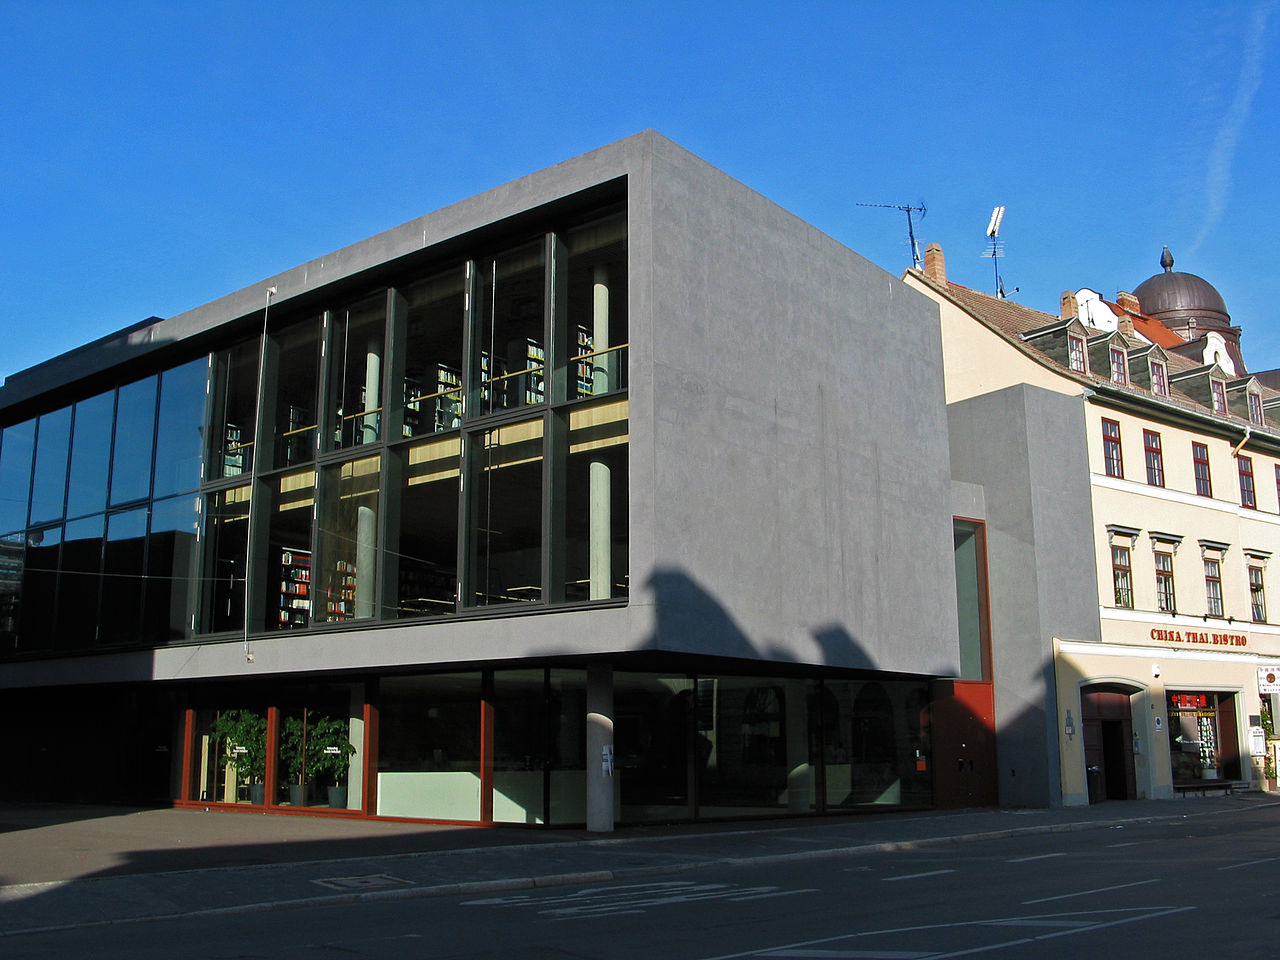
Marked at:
<point>66,866</point>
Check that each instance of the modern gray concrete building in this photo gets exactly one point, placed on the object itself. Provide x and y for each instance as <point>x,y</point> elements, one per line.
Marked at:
<point>616,493</point>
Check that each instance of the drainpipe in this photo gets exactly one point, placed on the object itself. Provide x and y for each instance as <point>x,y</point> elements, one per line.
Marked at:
<point>1235,451</point>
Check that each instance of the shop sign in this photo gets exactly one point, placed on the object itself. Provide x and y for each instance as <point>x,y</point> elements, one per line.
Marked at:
<point>1257,742</point>
<point>1269,678</point>
<point>1197,636</point>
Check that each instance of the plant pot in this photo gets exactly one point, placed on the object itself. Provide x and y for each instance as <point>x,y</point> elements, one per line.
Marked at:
<point>297,794</point>
<point>258,793</point>
<point>338,798</point>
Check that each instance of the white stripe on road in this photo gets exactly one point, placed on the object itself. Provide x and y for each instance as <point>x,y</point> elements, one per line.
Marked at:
<point>1043,856</point>
<point>1250,863</point>
<point>917,876</point>
<point>1085,893</point>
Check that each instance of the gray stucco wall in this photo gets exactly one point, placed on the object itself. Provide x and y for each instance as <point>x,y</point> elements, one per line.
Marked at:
<point>1026,447</point>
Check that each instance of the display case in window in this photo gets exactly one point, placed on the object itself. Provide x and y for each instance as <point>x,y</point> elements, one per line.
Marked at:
<point>340,599</point>
<point>448,405</point>
<point>295,588</point>
<point>232,452</point>
<point>584,376</point>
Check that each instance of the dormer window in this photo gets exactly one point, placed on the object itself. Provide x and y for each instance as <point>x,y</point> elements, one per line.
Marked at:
<point>1075,353</point>
<point>1255,408</point>
<point>1159,379</point>
<point>1219,390</point>
<point>1119,368</point>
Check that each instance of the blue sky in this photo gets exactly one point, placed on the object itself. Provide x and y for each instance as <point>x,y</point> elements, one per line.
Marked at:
<point>154,156</point>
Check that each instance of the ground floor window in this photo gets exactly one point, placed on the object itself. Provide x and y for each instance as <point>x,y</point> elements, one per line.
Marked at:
<point>1203,743</point>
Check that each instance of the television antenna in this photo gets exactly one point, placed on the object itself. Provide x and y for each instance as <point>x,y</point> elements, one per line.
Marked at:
<point>996,249</point>
<point>908,209</point>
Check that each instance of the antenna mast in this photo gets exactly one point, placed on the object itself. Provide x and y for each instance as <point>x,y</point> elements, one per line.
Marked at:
<point>916,261</point>
<point>996,250</point>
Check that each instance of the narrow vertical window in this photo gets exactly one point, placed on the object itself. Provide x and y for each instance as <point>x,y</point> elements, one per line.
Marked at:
<point>1075,352</point>
<point>1119,371</point>
<point>1166,602</point>
<point>1219,396</point>
<point>1257,595</point>
<point>1155,459</point>
<point>1247,496</point>
<point>1159,379</point>
<point>1213,587</point>
<point>1122,576</point>
<point>1255,408</point>
<point>1111,448</point>
<point>1200,462</point>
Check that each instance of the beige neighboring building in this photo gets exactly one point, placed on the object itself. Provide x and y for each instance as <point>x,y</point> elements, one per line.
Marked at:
<point>1162,693</point>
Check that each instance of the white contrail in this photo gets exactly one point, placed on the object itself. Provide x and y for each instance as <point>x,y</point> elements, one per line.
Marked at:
<point>1218,175</point>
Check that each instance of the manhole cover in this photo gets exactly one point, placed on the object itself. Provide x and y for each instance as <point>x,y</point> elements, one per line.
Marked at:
<point>360,883</point>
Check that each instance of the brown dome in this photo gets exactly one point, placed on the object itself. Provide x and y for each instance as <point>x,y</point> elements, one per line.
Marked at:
<point>1176,298</point>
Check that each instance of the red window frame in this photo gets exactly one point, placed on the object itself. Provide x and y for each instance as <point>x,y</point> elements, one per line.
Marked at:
<point>1248,496</point>
<point>1219,391</point>
<point>1255,408</point>
<point>1166,599</point>
<point>1200,465</point>
<point>1112,453</point>
<point>1154,458</point>
<point>1213,586</point>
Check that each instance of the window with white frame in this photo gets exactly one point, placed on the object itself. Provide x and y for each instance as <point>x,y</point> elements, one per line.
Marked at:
<point>1213,586</point>
<point>1159,379</point>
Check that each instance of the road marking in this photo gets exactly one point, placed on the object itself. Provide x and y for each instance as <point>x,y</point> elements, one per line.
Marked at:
<point>1043,856</point>
<point>917,876</point>
<point>360,883</point>
<point>1085,893</point>
<point>615,901</point>
<point>851,954</point>
<point>1249,863</point>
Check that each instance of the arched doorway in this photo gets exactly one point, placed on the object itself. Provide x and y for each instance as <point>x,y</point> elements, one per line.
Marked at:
<point>1106,719</point>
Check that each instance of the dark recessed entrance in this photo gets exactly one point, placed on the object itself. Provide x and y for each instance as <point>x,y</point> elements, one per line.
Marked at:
<point>1107,722</point>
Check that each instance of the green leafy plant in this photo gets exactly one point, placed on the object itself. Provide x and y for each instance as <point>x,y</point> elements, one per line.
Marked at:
<point>243,737</point>
<point>330,738</point>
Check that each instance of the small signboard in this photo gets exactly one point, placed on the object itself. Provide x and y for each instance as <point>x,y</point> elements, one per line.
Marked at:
<point>1257,742</point>
<point>1269,678</point>
<point>332,750</point>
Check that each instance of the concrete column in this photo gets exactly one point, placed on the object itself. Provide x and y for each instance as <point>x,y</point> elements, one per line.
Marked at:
<point>601,784</point>
<point>600,537</point>
<point>601,367</point>
<point>368,426</point>
<point>355,732</point>
<point>366,559</point>
<point>799,788</point>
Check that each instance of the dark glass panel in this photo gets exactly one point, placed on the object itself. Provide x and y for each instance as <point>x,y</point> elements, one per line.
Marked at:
<point>506,534</point>
<point>289,550</point>
<point>172,569</point>
<point>357,335</point>
<point>651,736</point>
<point>597,308</point>
<point>296,385</point>
<point>437,310</point>
<point>90,455</point>
<point>428,552</point>
<point>970,561</point>
<point>874,734</point>
<point>566,706</point>
<point>347,570</point>
<point>16,448</point>
<point>226,531</point>
<point>11,556</point>
<point>521,747</point>
<point>40,590</point>
<point>595,536</point>
<point>180,428</point>
<point>80,584</point>
<point>49,487</point>
<point>231,765</point>
<point>509,367</point>
<point>134,436</point>
<point>123,576</point>
<point>234,392</point>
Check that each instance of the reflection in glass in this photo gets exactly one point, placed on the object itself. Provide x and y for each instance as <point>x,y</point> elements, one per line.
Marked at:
<point>356,337</point>
<point>16,447</point>
<point>428,548</point>
<point>436,318</point>
<point>651,737</point>
<point>80,585</point>
<point>134,435</point>
<point>11,555</point>
<point>90,455</point>
<point>49,486</point>
<point>510,366</point>
<point>296,383</point>
<point>226,531</point>
<point>289,550</point>
<point>520,746</point>
<point>597,308</point>
<point>180,428</point>
<point>595,538</point>
<point>348,533</point>
<point>233,392</point>
<point>506,534</point>
<point>874,733</point>
<point>39,610</point>
<point>171,569</point>
<point>123,576</point>
<point>566,706</point>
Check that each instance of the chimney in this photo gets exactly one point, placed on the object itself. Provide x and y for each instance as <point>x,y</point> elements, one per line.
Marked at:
<point>935,264</point>
<point>1128,301</point>
<point>1069,306</point>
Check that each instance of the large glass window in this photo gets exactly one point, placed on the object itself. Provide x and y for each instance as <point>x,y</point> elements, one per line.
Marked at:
<point>180,428</point>
<point>172,569</point>
<point>506,529</point>
<point>233,392</point>
<point>80,585</point>
<point>16,447</point>
<point>90,455</point>
<point>39,611</point>
<point>873,734</point>
<point>427,549</point>
<point>651,745</point>
<point>509,366</point>
<point>357,334</point>
<point>226,533</point>
<point>49,488</point>
<point>520,746</point>
<point>124,569</point>
<point>1200,464</point>
<point>296,384</point>
<point>971,598</point>
<point>134,436</point>
<point>595,539</point>
<point>436,322</point>
<point>346,580</point>
<point>1111,455</point>
<point>596,296</point>
<point>289,551</point>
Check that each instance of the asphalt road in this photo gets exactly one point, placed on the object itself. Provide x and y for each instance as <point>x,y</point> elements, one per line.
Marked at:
<point>1163,888</point>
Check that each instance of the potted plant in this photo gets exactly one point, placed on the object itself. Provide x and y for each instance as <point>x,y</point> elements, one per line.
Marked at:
<point>243,736</point>
<point>298,754</point>
<point>331,741</point>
